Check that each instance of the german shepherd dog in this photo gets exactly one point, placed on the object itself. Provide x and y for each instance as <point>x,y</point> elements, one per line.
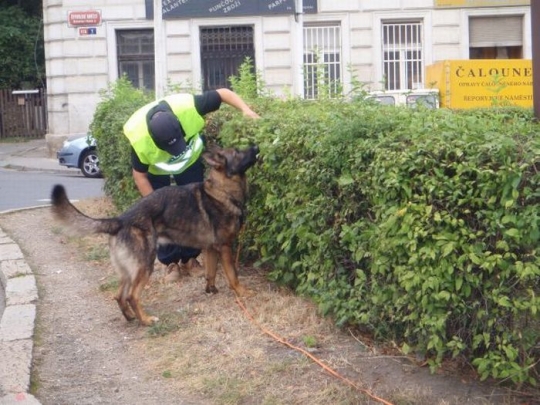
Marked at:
<point>206,215</point>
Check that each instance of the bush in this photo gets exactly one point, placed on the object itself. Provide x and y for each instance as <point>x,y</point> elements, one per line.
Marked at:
<point>421,225</point>
<point>119,101</point>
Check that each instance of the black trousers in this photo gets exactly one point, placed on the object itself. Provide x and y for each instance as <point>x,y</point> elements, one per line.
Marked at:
<point>170,253</point>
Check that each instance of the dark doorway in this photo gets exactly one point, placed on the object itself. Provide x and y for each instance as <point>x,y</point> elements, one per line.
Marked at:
<point>223,50</point>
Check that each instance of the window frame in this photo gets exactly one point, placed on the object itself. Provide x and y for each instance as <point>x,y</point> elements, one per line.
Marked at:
<point>406,16</point>
<point>524,12</point>
<point>408,61</point>
<point>332,58</point>
<point>112,51</point>
<point>143,62</point>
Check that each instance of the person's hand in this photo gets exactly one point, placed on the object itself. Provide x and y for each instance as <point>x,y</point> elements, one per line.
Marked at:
<point>251,114</point>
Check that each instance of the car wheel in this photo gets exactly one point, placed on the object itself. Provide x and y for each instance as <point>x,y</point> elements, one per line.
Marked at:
<point>90,164</point>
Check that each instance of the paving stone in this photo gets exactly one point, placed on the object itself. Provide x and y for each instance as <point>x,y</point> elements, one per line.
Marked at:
<point>15,366</point>
<point>4,239</point>
<point>21,290</point>
<point>14,268</point>
<point>21,398</point>
<point>10,251</point>
<point>17,322</point>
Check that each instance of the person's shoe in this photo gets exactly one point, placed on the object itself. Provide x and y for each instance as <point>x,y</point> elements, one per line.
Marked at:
<point>195,269</point>
<point>173,273</point>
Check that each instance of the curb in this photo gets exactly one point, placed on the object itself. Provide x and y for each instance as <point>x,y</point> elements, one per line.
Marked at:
<point>17,322</point>
<point>26,168</point>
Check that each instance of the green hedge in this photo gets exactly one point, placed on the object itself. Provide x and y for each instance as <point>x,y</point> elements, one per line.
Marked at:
<point>118,102</point>
<point>419,225</point>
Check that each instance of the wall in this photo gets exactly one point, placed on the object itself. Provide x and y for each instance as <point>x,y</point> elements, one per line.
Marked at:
<point>78,66</point>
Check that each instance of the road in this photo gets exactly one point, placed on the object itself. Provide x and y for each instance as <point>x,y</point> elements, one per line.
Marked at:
<point>24,189</point>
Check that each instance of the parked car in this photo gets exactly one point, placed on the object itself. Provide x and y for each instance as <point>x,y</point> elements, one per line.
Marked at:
<point>411,98</point>
<point>80,152</point>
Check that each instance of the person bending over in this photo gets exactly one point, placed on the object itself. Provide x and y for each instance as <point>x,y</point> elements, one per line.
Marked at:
<point>166,145</point>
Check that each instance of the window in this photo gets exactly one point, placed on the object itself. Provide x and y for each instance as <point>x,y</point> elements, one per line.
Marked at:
<point>223,50</point>
<point>496,37</point>
<point>403,64</point>
<point>135,50</point>
<point>322,61</point>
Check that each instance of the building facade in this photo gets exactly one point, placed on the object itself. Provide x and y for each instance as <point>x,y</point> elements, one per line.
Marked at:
<point>299,47</point>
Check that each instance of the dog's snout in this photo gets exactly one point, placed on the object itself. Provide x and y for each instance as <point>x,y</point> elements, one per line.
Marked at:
<point>255,149</point>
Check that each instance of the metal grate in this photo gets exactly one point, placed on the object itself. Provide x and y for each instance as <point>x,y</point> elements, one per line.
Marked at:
<point>223,50</point>
<point>403,64</point>
<point>322,61</point>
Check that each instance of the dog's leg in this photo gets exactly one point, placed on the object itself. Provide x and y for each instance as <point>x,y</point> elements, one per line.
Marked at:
<point>210,263</point>
<point>143,275</point>
<point>121,298</point>
<point>227,262</point>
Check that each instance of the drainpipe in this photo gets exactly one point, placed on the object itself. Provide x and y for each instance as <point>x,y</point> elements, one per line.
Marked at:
<point>159,50</point>
<point>299,54</point>
<point>535,31</point>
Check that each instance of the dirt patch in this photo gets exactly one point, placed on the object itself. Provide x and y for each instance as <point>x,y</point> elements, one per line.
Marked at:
<point>205,349</point>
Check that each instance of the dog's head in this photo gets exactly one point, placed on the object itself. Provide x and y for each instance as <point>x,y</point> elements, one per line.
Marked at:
<point>231,161</point>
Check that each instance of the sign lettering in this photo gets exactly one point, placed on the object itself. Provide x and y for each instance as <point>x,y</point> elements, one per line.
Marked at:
<point>78,18</point>
<point>219,8</point>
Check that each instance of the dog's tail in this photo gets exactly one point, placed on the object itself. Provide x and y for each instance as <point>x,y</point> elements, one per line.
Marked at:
<point>77,222</point>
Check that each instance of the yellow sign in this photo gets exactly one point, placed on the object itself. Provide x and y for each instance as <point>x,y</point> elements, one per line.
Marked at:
<point>482,82</point>
<point>481,3</point>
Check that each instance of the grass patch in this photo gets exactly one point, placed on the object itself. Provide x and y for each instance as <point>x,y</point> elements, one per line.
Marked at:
<point>110,284</point>
<point>168,323</point>
<point>57,230</point>
<point>97,253</point>
<point>310,341</point>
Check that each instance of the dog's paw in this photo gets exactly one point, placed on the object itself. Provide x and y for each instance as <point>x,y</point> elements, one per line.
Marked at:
<point>211,289</point>
<point>244,292</point>
<point>149,320</point>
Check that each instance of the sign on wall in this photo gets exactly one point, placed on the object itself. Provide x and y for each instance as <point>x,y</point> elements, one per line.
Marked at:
<point>480,3</point>
<point>475,83</point>
<point>226,8</point>
<point>84,18</point>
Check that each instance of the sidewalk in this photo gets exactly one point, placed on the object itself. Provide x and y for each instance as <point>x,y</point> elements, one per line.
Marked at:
<point>16,324</point>
<point>32,155</point>
<point>19,295</point>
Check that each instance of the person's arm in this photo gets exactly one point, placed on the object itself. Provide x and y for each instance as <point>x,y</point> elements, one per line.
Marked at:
<point>139,171</point>
<point>142,183</point>
<point>234,100</point>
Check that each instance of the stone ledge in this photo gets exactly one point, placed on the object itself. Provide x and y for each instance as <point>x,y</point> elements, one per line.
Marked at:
<point>17,322</point>
<point>21,290</point>
<point>20,398</point>
<point>14,268</point>
<point>15,366</point>
<point>10,251</point>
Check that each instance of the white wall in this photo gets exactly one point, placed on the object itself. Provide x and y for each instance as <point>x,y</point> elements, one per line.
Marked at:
<point>79,66</point>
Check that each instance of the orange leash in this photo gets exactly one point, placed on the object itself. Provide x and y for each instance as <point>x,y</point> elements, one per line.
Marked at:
<point>308,354</point>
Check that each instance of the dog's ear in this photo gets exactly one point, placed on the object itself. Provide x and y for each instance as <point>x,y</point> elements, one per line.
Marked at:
<point>214,158</point>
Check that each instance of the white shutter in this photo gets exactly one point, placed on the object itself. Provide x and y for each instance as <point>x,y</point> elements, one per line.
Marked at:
<point>495,31</point>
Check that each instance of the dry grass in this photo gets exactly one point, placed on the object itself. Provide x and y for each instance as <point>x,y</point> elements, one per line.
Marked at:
<point>207,346</point>
<point>218,352</point>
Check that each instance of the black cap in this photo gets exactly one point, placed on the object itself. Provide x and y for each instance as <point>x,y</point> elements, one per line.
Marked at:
<point>167,133</point>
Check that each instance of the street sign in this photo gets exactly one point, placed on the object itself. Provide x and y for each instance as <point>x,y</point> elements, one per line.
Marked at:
<point>87,31</point>
<point>84,18</point>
